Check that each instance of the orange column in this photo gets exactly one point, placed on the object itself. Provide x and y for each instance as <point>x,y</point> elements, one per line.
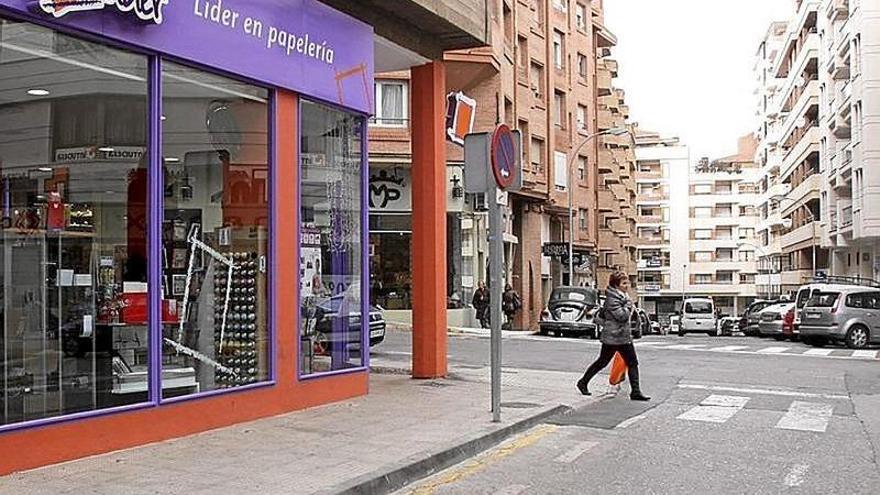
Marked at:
<point>429,220</point>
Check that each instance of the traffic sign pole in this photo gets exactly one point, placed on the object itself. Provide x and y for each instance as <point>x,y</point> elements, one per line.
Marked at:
<point>496,293</point>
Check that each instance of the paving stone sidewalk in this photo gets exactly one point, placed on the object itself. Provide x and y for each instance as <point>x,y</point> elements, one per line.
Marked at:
<point>401,427</point>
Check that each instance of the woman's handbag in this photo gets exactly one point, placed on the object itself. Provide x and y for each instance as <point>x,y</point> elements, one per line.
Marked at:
<point>618,370</point>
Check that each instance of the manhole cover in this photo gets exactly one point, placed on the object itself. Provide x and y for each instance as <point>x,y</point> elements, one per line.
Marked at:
<point>519,405</point>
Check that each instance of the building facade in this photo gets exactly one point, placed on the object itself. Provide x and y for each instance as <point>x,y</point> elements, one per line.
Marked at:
<point>661,239</point>
<point>546,73</point>
<point>722,255</point>
<point>184,236</point>
<point>850,121</point>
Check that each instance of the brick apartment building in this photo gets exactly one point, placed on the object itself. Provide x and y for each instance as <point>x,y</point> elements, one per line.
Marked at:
<point>547,72</point>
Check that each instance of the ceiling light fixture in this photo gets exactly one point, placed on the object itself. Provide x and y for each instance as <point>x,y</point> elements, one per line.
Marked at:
<point>106,149</point>
<point>38,92</point>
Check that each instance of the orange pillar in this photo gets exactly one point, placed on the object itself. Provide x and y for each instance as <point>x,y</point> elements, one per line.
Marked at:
<point>429,220</point>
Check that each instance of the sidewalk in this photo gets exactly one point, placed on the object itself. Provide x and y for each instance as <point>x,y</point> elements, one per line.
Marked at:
<point>402,431</point>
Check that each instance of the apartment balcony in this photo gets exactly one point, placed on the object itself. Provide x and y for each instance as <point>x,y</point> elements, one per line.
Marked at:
<point>795,277</point>
<point>776,190</point>
<point>649,241</point>
<point>801,237</point>
<point>841,127</point>
<point>612,66</point>
<point>609,241</point>
<point>807,190</point>
<point>606,162</point>
<point>612,102</point>
<point>649,176</point>
<point>649,219</point>
<point>846,218</point>
<point>837,10</point>
<point>607,200</point>
<point>604,83</point>
<point>605,119</point>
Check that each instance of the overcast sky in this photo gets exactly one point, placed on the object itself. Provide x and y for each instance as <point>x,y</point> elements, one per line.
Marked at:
<point>686,65</point>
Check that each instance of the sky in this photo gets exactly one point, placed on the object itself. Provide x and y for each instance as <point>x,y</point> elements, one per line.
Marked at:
<point>686,66</point>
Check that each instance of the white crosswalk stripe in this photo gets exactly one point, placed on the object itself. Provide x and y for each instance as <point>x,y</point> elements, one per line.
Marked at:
<point>729,348</point>
<point>818,352</point>
<point>773,350</point>
<point>716,409</point>
<point>683,347</point>
<point>865,354</point>
<point>806,416</point>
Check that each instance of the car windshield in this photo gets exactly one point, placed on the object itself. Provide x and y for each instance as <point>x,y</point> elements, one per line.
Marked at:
<point>581,295</point>
<point>823,299</point>
<point>698,307</point>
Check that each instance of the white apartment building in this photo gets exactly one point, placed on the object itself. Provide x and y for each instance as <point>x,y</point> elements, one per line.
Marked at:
<point>789,70</point>
<point>850,134</point>
<point>722,223</point>
<point>661,222</point>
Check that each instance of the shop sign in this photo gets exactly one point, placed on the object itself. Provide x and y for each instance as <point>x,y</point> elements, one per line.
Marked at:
<point>554,249</point>
<point>145,10</point>
<point>390,190</point>
<point>304,46</point>
<point>93,153</point>
<point>652,288</point>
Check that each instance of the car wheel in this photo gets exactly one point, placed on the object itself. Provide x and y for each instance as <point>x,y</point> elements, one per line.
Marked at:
<point>818,342</point>
<point>681,333</point>
<point>779,337</point>
<point>541,331</point>
<point>857,337</point>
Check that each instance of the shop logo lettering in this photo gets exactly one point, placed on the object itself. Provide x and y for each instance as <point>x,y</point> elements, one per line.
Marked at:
<point>384,189</point>
<point>145,10</point>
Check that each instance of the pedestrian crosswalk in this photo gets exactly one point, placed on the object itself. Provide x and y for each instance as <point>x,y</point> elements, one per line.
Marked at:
<point>801,415</point>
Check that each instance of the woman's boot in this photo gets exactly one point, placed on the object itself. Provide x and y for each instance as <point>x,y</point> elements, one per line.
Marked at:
<point>635,386</point>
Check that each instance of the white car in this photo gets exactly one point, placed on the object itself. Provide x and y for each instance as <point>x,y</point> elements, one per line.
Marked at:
<point>698,317</point>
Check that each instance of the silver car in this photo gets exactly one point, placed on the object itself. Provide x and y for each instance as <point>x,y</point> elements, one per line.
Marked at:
<point>776,321</point>
<point>850,315</point>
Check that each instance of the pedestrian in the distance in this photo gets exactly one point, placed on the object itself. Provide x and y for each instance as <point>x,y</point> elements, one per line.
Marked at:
<point>510,303</point>
<point>480,303</point>
<point>615,317</point>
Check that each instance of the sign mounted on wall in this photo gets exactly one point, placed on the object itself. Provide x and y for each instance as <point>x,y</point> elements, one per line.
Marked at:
<point>145,10</point>
<point>460,112</point>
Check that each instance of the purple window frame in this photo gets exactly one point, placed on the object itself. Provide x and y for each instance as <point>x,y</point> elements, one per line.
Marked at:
<point>154,231</point>
<point>365,239</point>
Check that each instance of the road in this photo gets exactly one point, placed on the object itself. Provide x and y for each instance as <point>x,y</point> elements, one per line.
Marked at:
<point>728,415</point>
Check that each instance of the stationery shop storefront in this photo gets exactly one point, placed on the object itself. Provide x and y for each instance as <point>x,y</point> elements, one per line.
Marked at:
<point>182,217</point>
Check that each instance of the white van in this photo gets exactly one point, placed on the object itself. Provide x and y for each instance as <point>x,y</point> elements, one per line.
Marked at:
<point>698,316</point>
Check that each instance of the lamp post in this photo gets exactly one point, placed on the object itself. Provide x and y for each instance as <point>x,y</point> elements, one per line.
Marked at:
<point>574,155</point>
<point>763,254</point>
<point>812,218</point>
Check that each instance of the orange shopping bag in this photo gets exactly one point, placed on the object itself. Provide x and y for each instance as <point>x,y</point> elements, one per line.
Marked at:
<point>618,370</point>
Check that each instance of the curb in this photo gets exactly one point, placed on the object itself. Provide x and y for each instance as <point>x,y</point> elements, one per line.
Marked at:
<point>409,471</point>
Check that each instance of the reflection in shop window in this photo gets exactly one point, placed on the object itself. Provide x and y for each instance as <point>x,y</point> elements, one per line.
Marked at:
<point>215,233</point>
<point>331,245</point>
<point>73,283</point>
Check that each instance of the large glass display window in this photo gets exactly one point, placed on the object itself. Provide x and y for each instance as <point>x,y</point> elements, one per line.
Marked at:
<point>215,233</point>
<point>73,243</point>
<point>332,176</point>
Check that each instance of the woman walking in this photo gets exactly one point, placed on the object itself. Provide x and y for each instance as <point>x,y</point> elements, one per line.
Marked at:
<point>480,302</point>
<point>616,336</point>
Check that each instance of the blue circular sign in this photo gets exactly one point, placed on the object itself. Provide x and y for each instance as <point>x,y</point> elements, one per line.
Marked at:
<point>503,157</point>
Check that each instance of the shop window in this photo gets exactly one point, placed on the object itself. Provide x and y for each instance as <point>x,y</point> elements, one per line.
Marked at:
<point>215,240</point>
<point>73,159</point>
<point>331,251</point>
<point>392,104</point>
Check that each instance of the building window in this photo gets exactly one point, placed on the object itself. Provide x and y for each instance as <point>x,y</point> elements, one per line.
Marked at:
<point>582,117</point>
<point>558,49</point>
<point>559,109</point>
<point>703,212</point>
<point>703,279</point>
<point>507,19</point>
<point>331,302</point>
<point>724,211</point>
<point>702,234</point>
<point>724,188</point>
<point>746,256</point>
<point>391,104</point>
<point>724,233</point>
<point>584,219</point>
<point>725,278</point>
<point>75,286</point>
<point>538,154</point>
<point>522,46</point>
<point>580,17</point>
<point>216,247</point>
<point>560,5</point>
<point>583,66</point>
<point>523,127</point>
<point>724,254</point>
<point>703,189</point>
<point>536,76</point>
<point>582,168</point>
<point>704,256</point>
<point>747,278</point>
<point>560,165</point>
<point>746,233</point>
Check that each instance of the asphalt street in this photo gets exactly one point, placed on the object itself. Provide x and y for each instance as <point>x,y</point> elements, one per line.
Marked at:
<point>728,415</point>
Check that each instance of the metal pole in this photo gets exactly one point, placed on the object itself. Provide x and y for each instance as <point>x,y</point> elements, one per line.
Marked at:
<point>496,282</point>
<point>570,230</point>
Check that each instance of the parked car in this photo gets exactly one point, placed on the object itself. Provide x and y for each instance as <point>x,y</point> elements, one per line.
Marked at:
<point>327,315</point>
<point>571,311</point>
<point>828,284</point>
<point>698,317</point>
<point>656,328</point>
<point>850,315</point>
<point>644,321</point>
<point>777,321</point>
<point>748,324</point>
<point>727,325</point>
<point>674,324</point>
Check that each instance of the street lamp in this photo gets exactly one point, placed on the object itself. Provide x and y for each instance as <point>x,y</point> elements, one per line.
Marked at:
<point>764,255</point>
<point>610,132</point>
<point>779,199</point>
